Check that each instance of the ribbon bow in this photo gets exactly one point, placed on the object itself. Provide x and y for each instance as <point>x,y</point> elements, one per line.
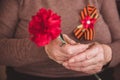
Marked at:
<point>88,17</point>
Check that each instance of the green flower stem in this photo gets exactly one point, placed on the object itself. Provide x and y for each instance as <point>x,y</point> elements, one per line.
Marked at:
<point>98,78</point>
<point>62,39</point>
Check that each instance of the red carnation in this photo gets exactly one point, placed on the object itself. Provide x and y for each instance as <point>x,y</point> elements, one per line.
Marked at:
<point>44,27</point>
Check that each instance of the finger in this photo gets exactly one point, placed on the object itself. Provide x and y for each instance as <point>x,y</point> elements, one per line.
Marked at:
<point>68,40</point>
<point>66,65</point>
<point>96,60</point>
<point>92,69</point>
<point>61,57</point>
<point>57,55</point>
<point>89,70</point>
<point>75,49</point>
<point>58,59</point>
<point>88,54</point>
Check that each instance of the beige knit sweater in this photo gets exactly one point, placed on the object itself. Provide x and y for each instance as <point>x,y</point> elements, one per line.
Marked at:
<point>18,51</point>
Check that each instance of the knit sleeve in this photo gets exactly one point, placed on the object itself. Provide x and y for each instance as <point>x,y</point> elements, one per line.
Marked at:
<point>111,18</point>
<point>14,52</point>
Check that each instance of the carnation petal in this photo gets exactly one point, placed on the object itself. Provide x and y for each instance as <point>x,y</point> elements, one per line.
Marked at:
<point>44,27</point>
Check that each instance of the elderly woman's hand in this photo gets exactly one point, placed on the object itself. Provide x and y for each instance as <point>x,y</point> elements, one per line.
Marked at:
<point>61,54</point>
<point>90,61</point>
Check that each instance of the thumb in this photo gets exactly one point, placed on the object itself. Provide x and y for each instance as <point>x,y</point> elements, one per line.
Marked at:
<point>68,40</point>
<point>79,48</point>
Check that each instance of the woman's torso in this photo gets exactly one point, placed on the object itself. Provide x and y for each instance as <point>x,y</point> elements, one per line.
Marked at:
<point>69,11</point>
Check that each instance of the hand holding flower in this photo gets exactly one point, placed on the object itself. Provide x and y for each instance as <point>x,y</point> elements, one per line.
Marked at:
<point>64,53</point>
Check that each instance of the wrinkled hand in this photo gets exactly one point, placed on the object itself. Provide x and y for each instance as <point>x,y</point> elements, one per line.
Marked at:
<point>90,61</point>
<point>62,54</point>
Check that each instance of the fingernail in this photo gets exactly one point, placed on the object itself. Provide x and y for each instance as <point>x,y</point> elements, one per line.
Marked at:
<point>65,64</point>
<point>71,60</point>
<point>73,42</point>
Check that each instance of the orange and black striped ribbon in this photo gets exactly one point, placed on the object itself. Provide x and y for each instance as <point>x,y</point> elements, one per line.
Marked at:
<point>80,31</point>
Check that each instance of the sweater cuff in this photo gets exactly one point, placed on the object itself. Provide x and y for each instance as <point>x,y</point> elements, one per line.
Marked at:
<point>115,54</point>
